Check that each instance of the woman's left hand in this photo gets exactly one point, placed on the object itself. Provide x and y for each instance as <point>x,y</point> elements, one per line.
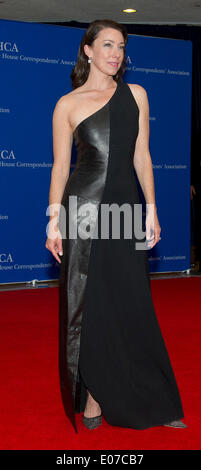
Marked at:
<point>153,228</point>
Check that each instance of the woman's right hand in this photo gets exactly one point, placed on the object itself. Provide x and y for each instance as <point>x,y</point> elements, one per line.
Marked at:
<point>55,246</point>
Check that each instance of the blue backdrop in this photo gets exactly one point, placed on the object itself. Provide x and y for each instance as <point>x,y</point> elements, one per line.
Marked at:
<point>35,64</point>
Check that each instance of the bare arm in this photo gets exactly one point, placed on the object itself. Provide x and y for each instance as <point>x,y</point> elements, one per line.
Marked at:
<point>62,146</point>
<point>143,164</point>
<point>142,158</point>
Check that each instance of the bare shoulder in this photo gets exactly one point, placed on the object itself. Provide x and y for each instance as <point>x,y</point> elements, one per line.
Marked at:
<point>140,94</point>
<point>67,104</point>
<point>64,103</point>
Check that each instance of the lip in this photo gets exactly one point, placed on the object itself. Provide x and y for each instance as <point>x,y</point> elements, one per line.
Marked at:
<point>113,64</point>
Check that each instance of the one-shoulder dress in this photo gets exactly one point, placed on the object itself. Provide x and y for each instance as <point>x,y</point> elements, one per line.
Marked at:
<point>110,341</point>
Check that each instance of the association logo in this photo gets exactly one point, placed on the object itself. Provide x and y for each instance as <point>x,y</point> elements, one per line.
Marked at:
<point>6,258</point>
<point>8,159</point>
<point>8,46</point>
<point>6,154</point>
<point>128,60</point>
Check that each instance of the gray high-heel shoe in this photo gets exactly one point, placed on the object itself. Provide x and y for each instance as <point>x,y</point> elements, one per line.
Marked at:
<point>176,424</point>
<point>92,423</point>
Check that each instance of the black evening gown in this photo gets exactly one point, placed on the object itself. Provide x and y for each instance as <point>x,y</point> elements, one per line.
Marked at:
<point>110,341</point>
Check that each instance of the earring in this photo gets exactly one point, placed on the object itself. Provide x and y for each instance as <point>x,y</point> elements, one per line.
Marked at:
<point>89,60</point>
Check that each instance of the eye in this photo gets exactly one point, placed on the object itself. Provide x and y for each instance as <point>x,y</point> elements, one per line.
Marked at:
<point>108,44</point>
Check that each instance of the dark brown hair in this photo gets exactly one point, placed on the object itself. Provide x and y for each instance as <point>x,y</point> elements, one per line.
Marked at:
<point>81,69</point>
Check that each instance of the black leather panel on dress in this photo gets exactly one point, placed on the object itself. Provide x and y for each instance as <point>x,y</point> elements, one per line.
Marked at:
<point>92,142</point>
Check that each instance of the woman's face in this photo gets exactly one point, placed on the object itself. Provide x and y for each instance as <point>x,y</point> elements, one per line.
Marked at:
<point>107,51</point>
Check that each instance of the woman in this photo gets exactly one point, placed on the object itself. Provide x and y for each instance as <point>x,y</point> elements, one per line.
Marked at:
<point>112,357</point>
